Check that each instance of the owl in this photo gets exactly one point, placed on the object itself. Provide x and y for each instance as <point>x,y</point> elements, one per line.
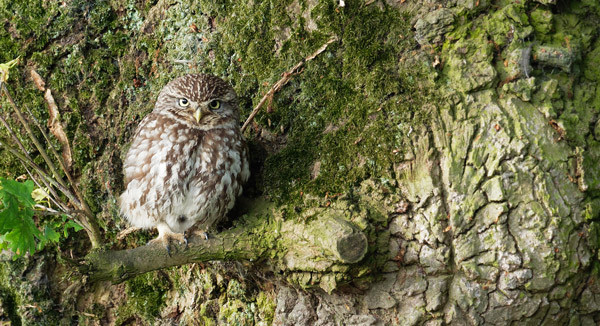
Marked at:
<point>187,161</point>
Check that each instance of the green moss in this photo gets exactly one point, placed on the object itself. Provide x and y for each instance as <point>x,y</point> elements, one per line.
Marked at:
<point>237,312</point>
<point>266,307</point>
<point>145,295</point>
<point>509,22</point>
<point>365,99</point>
<point>25,296</point>
<point>9,305</point>
<point>541,20</point>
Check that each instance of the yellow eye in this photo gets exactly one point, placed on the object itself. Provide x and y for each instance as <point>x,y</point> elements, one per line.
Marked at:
<point>214,105</point>
<point>184,102</point>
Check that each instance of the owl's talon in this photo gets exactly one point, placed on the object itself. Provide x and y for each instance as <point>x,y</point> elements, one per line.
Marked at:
<point>192,232</point>
<point>201,234</point>
<point>166,237</point>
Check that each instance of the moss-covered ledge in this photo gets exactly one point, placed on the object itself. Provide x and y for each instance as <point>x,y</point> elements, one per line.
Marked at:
<point>321,245</point>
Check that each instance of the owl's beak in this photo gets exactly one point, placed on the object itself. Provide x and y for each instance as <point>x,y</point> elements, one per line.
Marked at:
<point>198,114</point>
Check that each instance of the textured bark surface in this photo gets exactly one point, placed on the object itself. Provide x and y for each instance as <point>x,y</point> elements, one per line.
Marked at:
<point>460,137</point>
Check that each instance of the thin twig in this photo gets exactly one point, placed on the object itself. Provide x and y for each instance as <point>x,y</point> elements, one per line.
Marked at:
<point>37,168</point>
<point>286,76</point>
<point>63,167</point>
<point>49,179</point>
<point>54,196</point>
<point>83,222</point>
<point>52,149</point>
<point>32,136</point>
<point>51,193</point>
<point>48,211</point>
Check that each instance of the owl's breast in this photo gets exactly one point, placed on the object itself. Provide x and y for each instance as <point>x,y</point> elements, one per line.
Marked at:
<point>219,171</point>
<point>157,169</point>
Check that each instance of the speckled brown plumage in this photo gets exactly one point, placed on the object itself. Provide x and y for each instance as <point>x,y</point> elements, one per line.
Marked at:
<point>187,161</point>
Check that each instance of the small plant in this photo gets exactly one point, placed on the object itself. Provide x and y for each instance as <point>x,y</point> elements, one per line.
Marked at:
<point>18,230</point>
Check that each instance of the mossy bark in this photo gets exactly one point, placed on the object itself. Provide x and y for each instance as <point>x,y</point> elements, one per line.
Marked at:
<point>460,138</point>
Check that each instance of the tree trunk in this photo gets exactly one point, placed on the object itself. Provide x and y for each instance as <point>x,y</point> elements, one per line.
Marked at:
<point>436,164</point>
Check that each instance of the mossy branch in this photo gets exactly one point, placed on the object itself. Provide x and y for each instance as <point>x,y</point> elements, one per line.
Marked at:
<point>319,246</point>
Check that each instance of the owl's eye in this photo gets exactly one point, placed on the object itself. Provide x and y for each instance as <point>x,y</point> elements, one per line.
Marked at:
<point>214,105</point>
<point>184,102</point>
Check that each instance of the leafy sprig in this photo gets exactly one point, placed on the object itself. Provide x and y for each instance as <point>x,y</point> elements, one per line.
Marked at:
<point>18,230</point>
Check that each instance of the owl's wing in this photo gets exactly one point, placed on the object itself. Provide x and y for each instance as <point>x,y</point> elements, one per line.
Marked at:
<point>151,119</point>
<point>145,135</point>
<point>155,169</point>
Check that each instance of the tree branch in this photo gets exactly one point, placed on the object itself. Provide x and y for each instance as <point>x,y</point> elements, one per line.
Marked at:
<point>319,246</point>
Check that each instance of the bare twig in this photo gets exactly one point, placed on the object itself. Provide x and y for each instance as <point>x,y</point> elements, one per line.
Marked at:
<point>36,167</point>
<point>47,210</point>
<point>36,122</point>
<point>40,84</point>
<point>88,219</point>
<point>48,182</point>
<point>51,193</point>
<point>37,80</point>
<point>63,167</point>
<point>89,228</point>
<point>16,139</point>
<point>32,137</point>
<point>57,130</point>
<point>286,76</point>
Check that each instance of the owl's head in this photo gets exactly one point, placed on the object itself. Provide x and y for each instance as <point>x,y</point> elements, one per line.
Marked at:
<point>201,100</point>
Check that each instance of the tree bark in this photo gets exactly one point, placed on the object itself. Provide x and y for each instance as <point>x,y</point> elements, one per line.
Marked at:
<point>436,165</point>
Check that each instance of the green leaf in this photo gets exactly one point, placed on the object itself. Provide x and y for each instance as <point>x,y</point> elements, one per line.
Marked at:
<point>18,231</point>
<point>16,219</point>
<point>5,67</point>
<point>3,243</point>
<point>10,214</point>
<point>51,235</point>
<point>21,190</point>
<point>72,224</point>
<point>21,239</point>
<point>39,195</point>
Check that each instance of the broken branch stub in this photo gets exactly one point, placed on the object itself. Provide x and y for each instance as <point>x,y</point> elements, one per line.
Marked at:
<point>340,238</point>
<point>321,244</point>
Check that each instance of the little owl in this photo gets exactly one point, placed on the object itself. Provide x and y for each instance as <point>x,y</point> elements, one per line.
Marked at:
<point>187,161</point>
